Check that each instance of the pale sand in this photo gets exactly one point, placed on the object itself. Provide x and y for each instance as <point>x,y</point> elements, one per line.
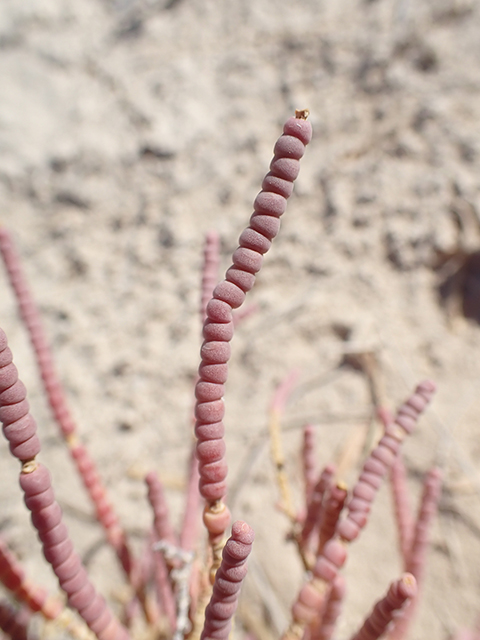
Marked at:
<point>127,130</point>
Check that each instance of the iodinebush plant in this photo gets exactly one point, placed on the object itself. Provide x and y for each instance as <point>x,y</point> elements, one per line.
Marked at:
<point>182,592</point>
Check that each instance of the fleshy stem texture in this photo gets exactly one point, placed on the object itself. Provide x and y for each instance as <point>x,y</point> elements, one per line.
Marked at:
<point>398,483</point>
<point>331,510</point>
<point>254,242</point>
<point>309,460</point>
<point>310,604</point>
<point>20,428</point>
<point>381,460</point>
<point>163,530</point>
<point>85,465</point>
<point>14,622</point>
<point>333,609</point>
<point>403,515</point>
<point>12,576</point>
<point>210,271</point>
<point>417,556</point>
<point>316,504</point>
<point>399,593</point>
<point>228,581</point>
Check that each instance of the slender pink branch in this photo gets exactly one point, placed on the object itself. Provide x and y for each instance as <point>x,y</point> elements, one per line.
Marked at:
<point>399,593</point>
<point>331,510</point>
<point>87,470</point>
<point>385,416</point>
<point>403,514</point>
<point>165,595</point>
<point>13,577</point>
<point>381,459</point>
<point>104,511</point>
<point>14,622</point>
<point>163,531</point>
<point>283,391</point>
<point>333,608</point>
<point>398,483</point>
<point>466,634</point>
<point>255,241</point>
<point>228,581</point>
<point>211,265</point>
<point>312,598</point>
<point>417,557</point>
<point>428,508</point>
<point>20,430</point>
<point>309,460</point>
<point>158,502</point>
<point>315,507</point>
<point>310,604</point>
<point>244,313</point>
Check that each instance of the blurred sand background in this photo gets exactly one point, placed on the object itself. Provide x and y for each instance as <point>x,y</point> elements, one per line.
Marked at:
<point>128,128</point>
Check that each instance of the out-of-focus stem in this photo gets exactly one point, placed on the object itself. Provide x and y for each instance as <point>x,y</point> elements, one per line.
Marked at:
<point>85,465</point>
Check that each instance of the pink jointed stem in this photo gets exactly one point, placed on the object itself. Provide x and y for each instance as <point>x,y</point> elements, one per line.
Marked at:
<point>333,608</point>
<point>86,467</point>
<point>13,577</point>
<point>254,242</point>
<point>331,510</point>
<point>211,265</point>
<point>228,581</point>
<point>382,459</point>
<point>158,502</point>
<point>13,622</point>
<point>315,506</point>
<point>403,515</point>
<point>312,599</point>
<point>20,430</point>
<point>417,554</point>
<point>421,537</point>
<point>384,611</point>
<point>309,462</point>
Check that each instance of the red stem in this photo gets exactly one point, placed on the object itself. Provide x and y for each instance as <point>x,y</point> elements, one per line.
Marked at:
<point>85,465</point>
<point>230,294</point>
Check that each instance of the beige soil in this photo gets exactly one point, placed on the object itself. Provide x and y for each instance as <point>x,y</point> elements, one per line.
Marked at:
<point>128,128</point>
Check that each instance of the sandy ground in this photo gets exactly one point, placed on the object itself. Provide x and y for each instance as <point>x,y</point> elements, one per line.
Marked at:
<point>130,128</point>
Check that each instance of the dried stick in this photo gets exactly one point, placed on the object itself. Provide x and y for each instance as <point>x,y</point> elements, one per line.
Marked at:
<point>87,470</point>
<point>277,407</point>
<point>269,205</point>
<point>228,581</point>
<point>399,593</point>
<point>20,428</point>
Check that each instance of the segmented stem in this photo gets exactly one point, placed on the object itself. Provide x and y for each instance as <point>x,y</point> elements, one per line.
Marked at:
<point>254,242</point>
